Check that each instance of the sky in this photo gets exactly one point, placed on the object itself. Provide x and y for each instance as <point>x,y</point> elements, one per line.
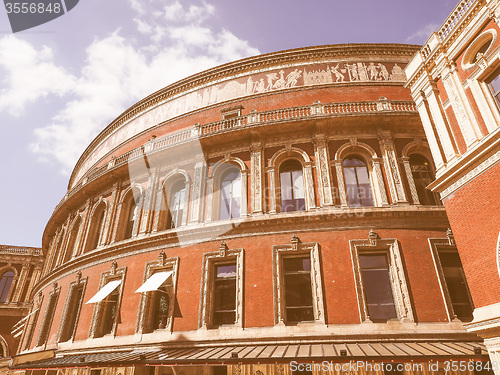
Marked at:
<point>62,82</point>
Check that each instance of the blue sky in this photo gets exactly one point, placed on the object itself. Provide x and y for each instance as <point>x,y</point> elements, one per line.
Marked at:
<point>62,82</point>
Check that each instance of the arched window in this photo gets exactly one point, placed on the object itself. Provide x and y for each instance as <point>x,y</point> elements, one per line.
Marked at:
<point>96,227</point>
<point>357,182</point>
<point>292,187</point>
<point>5,284</point>
<point>230,194</point>
<point>422,176</point>
<point>176,204</point>
<point>71,248</point>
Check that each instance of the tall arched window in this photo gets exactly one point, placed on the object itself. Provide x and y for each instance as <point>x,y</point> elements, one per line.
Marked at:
<point>292,187</point>
<point>230,194</point>
<point>422,176</point>
<point>357,182</point>
<point>96,227</point>
<point>71,248</point>
<point>5,284</point>
<point>176,204</point>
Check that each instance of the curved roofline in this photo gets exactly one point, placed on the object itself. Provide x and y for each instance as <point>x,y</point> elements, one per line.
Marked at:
<point>241,66</point>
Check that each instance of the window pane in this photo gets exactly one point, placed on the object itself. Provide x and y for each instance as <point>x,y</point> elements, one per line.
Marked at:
<point>292,187</point>
<point>286,185</point>
<point>225,294</point>
<point>296,264</point>
<point>456,285</point>
<point>298,290</point>
<point>226,271</point>
<point>5,284</point>
<point>230,195</point>
<point>298,185</point>
<point>351,187</point>
<point>377,287</point>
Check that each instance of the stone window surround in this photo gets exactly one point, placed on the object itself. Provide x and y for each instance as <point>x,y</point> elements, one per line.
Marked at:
<point>213,186</point>
<point>481,71</point>
<point>29,331</point>
<point>46,320</point>
<point>400,290</point>
<point>436,244</point>
<point>296,247</point>
<point>13,286</point>
<point>165,191</point>
<point>273,171</point>
<point>71,289</point>
<point>123,209</point>
<point>374,166</point>
<point>498,254</point>
<point>162,264</point>
<point>114,274</point>
<point>211,259</point>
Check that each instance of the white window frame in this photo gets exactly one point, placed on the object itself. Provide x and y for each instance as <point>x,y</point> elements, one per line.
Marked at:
<point>399,286</point>
<point>437,244</point>
<point>114,274</point>
<point>79,282</point>
<point>296,247</point>
<point>210,260</point>
<point>163,264</point>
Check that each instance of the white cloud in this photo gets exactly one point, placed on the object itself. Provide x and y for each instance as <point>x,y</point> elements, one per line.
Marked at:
<point>30,75</point>
<point>119,71</point>
<point>420,36</point>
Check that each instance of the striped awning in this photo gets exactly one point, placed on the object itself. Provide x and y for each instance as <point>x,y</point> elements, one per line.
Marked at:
<point>276,353</point>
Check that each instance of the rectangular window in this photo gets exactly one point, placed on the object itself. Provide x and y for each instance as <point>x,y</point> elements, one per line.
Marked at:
<point>224,304</point>
<point>494,85</point>
<point>47,320</point>
<point>298,293</point>
<point>73,311</point>
<point>109,313</point>
<point>456,284</point>
<point>377,287</point>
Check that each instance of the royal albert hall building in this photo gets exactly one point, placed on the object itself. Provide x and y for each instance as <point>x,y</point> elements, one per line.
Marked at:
<point>263,213</point>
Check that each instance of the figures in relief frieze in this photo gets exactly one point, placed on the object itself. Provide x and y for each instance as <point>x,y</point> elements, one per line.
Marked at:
<point>291,78</point>
<point>397,73</point>
<point>281,82</point>
<point>338,75</point>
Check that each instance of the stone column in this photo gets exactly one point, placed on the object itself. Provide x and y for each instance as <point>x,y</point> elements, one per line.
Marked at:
<point>22,283</point>
<point>257,179</point>
<point>244,194</point>
<point>272,190</point>
<point>34,279</point>
<point>309,182</point>
<point>411,181</point>
<point>392,169</point>
<point>146,223</point>
<point>323,171</point>
<point>379,180</point>
<point>341,183</point>
<point>186,204</point>
<point>210,198</point>
<point>198,190</point>
<point>460,104</point>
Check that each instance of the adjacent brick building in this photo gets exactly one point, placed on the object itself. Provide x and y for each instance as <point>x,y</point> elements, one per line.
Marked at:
<point>454,81</point>
<point>20,270</point>
<point>268,210</point>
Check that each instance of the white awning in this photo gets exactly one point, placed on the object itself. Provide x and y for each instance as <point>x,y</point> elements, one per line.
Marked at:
<point>154,282</point>
<point>105,291</point>
<point>17,329</point>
